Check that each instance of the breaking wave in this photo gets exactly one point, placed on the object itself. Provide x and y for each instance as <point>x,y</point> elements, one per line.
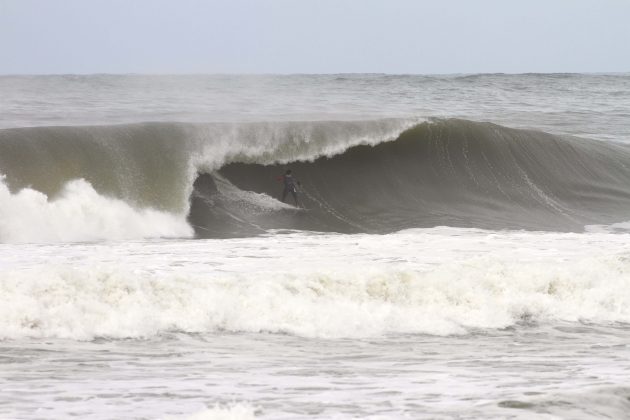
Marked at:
<point>151,179</point>
<point>79,213</point>
<point>450,298</point>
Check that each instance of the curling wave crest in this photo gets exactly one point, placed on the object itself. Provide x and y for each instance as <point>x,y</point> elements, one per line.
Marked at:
<point>376,176</point>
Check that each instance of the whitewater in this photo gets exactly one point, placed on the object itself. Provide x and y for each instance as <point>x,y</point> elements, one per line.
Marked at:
<point>461,248</point>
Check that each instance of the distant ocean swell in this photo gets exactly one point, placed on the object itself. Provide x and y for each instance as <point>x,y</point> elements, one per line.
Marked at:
<point>378,176</point>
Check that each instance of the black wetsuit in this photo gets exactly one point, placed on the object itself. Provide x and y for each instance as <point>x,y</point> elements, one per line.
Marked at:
<point>289,187</point>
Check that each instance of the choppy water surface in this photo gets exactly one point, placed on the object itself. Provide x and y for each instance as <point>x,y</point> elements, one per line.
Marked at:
<point>516,373</point>
<point>423,323</point>
<point>462,250</point>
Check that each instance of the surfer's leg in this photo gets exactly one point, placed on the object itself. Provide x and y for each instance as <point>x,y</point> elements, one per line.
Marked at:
<point>284,194</point>
<point>295,197</point>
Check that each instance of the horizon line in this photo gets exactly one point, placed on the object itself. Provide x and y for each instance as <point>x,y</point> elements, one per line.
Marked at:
<point>320,74</point>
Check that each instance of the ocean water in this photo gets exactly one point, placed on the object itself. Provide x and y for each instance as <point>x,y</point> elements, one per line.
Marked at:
<point>461,247</point>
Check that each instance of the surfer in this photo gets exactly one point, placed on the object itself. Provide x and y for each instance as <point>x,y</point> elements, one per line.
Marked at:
<point>289,186</point>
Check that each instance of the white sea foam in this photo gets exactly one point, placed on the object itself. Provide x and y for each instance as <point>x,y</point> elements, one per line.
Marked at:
<point>229,290</point>
<point>580,404</point>
<point>612,228</point>
<point>232,412</point>
<point>80,214</point>
<point>250,201</point>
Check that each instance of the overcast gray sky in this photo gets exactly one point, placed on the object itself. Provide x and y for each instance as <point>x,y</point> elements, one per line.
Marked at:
<point>313,36</point>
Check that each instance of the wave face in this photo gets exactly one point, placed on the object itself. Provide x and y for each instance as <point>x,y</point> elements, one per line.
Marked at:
<point>445,172</point>
<point>364,176</point>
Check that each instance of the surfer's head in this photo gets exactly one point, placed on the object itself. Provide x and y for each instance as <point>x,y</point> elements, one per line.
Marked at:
<point>288,172</point>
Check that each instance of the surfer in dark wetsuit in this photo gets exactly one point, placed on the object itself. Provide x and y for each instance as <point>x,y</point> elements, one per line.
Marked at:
<point>289,186</point>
